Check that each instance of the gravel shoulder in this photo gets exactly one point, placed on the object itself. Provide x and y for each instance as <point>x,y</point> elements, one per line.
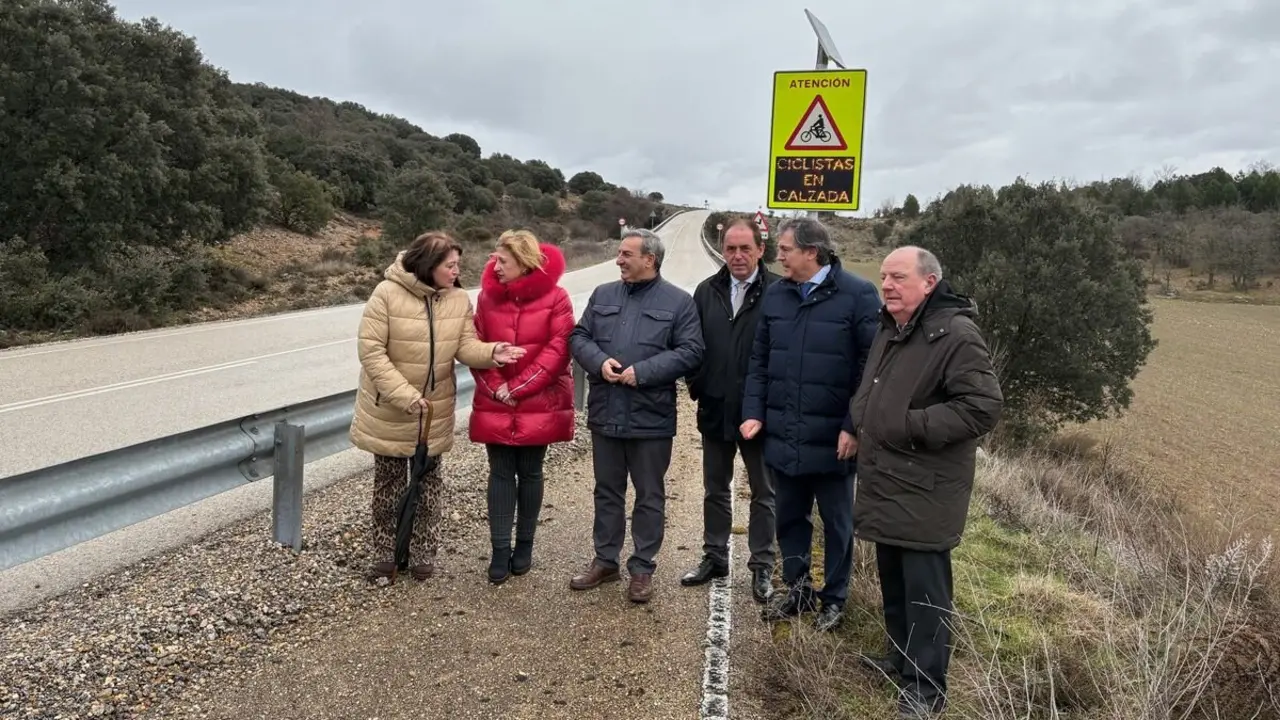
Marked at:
<point>235,627</point>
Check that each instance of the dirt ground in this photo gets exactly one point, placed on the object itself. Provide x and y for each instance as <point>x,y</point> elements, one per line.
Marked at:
<point>457,646</point>
<point>1205,420</point>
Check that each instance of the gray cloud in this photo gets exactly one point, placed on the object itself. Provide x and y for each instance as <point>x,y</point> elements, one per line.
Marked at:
<point>675,96</point>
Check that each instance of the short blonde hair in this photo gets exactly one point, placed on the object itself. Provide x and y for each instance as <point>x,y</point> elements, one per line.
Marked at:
<point>524,249</point>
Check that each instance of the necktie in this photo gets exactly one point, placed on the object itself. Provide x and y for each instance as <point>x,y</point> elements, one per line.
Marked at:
<point>806,288</point>
<point>740,291</point>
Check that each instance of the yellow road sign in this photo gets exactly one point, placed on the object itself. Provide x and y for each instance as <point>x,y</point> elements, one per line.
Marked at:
<point>815,150</point>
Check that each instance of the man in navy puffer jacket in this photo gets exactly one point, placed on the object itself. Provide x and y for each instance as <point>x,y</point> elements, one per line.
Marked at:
<point>815,330</point>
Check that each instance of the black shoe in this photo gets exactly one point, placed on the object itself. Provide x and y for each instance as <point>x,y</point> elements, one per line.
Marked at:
<point>761,585</point>
<point>500,565</point>
<point>829,618</point>
<point>797,601</point>
<point>914,708</point>
<point>522,558</point>
<point>706,571</point>
<point>880,665</point>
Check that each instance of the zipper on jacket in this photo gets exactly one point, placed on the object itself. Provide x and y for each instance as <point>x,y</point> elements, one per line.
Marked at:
<point>728,308</point>
<point>727,304</point>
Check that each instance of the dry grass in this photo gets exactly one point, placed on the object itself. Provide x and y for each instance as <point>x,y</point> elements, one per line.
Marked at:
<point>1077,597</point>
<point>1205,420</point>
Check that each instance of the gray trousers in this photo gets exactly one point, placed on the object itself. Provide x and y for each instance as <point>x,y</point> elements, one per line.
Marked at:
<point>646,461</point>
<point>717,515</point>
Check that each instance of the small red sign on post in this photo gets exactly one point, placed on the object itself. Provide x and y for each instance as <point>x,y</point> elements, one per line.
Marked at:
<point>763,224</point>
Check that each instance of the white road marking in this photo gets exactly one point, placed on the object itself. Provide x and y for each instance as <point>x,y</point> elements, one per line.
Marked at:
<point>89,344</point>
<point>715,669</point>
<point>88,392</point>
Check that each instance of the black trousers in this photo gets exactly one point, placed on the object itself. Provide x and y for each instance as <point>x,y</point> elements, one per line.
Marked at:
<point>795,496</point>
<point>646,461</point>
<point>717,513</point>
<point>515,486</point>
<point>916,588</point>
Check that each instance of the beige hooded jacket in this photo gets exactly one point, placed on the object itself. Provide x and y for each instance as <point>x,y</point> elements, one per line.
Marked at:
<point>394,347</point>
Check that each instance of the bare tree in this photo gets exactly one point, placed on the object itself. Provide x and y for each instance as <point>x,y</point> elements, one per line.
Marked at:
<point>1209,240</point>
<point>1245,254</point>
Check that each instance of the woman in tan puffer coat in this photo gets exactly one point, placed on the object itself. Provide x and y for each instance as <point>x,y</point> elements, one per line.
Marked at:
<point>397,393</point>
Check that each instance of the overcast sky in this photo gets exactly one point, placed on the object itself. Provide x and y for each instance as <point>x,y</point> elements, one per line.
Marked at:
<point>675,95</point>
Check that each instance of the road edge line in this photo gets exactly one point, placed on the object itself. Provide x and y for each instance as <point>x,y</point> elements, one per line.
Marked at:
<point>715,667</point>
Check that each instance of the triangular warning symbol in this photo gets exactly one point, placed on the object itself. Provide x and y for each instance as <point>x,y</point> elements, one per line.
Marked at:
<point>817,130</point>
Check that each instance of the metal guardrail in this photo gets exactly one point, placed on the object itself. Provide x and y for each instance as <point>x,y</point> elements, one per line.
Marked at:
<point>709,246</point>
<point>53,508</point>
<point>45,510</point>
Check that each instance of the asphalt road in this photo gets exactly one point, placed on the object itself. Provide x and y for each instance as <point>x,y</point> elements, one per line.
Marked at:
<point>63,401</point>
<point>67,400</point>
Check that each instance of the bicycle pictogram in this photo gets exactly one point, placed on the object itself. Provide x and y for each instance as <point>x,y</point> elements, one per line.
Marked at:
<point>817,130</point>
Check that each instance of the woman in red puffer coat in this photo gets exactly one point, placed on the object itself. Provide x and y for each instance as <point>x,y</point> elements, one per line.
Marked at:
<point>524,406</point>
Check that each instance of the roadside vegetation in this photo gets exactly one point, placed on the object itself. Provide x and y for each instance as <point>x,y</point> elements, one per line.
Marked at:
<point>1104,573</point>
<point>142,187</point>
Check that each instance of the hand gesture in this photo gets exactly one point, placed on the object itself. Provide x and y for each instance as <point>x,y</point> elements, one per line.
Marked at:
<point>750,429</point>
<point>503,395</point>
<point>628,376</point>
<point>505,353</point>
<point>847,446</point>
<point>610,369</point>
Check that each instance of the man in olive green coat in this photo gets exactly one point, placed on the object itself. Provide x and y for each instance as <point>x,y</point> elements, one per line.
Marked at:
<point>927,395</point>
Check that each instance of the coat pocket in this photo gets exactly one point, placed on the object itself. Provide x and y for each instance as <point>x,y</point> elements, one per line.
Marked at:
<point>903,470</point>
<point>654,327</point>
<point>604,322</point>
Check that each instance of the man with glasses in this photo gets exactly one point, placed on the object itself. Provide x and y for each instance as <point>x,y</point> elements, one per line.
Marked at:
<point>815,330</point>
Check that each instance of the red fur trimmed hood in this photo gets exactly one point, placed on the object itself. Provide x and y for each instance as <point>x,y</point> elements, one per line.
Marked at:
<point>531,286</point>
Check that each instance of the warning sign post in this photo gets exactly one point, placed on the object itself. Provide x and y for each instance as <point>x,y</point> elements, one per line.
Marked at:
<point>815,148</point>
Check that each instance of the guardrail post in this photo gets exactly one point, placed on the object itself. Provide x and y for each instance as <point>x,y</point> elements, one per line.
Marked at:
<point>286,502</point>
<point>579,387</point>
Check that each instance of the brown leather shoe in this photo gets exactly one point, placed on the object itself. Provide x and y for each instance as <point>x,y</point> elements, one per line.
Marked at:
<point>422,571</point>
<point>386,569</point>
<point>594,575</point>
<point>641,588</point>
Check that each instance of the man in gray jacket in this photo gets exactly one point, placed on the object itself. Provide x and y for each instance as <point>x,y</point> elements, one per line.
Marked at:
<point>636,336</point>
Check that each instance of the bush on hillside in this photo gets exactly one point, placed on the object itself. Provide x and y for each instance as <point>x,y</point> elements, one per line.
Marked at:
<point>416,200</point>
<point>911,207</point>
<point>298,201</point>
<point>466,142</point>
<point>117,134</point>
<point>585,182</point>
<point>1062,307</point>
<point>522,191</point>
<point>603,208</point>
<point>546,207</point>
